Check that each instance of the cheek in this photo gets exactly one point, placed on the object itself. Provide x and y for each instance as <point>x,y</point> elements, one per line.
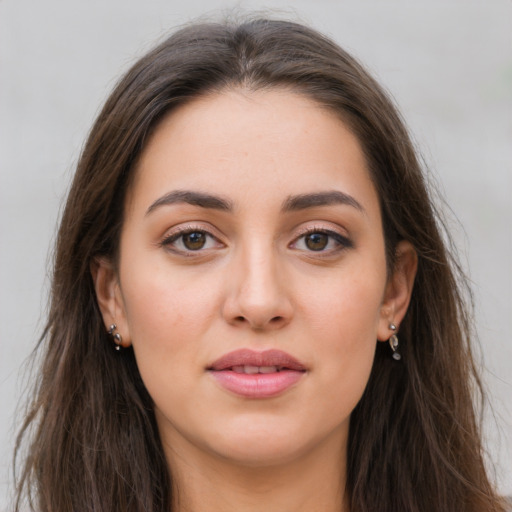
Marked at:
<point>346,309</point>
<point>167,320</point>
<point>166,309</point>
<point>343,318</point>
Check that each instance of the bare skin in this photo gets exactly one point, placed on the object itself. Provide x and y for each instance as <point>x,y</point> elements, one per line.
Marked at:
<point>252,223</point>
<point>314,484</point>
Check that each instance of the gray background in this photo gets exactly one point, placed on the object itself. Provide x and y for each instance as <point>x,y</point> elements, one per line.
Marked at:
<point>448,64</point>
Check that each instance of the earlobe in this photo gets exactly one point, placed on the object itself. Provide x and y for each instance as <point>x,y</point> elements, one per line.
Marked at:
<point>398,289</point>
<point>108,295</point>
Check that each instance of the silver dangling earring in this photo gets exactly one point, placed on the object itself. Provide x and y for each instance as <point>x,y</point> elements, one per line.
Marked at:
<point>393,343</point>
<point>117,337</point>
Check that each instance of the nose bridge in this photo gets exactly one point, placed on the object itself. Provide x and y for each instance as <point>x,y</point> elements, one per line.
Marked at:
<point>258,296</point>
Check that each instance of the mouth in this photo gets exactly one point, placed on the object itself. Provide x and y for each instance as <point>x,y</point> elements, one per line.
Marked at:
<point>252,370</point>
<point>252,374</point>
<point>246,361</point>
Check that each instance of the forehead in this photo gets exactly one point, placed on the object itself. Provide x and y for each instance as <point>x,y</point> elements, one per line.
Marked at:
<point>267,143</point>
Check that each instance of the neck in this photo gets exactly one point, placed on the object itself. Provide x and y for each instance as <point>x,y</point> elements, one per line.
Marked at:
<point>312,481</point>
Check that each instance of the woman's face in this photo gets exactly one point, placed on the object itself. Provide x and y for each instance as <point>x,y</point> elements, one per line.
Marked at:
<point>252,279</point>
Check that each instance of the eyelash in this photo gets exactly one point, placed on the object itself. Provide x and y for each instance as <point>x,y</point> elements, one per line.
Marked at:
<point>342,241</point>
<point>169,240</point>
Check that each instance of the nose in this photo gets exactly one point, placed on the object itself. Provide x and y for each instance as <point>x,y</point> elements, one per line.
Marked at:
<point>257,295</point>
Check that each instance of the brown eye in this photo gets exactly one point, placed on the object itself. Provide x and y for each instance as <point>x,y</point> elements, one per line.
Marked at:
<point>188,241</point>
<point>194,241</point>
<point>327,242</point>
<point>316,241</point>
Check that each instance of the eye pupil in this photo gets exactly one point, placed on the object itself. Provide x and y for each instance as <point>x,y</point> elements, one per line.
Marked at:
<point>194,241</point>
<point>317,241</point>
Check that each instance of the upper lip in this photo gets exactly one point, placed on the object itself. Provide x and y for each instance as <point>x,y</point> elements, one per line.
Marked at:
<point>247,357</point>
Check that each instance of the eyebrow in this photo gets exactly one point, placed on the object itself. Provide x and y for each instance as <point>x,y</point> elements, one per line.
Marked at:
<point>327,198</point>
<point>292,203</point>
<point>200,199</point>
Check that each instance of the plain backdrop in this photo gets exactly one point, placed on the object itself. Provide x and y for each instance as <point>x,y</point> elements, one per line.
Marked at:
<point>447,63</point>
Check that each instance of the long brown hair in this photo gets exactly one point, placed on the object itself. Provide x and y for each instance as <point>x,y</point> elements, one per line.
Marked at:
<point>414,441</point>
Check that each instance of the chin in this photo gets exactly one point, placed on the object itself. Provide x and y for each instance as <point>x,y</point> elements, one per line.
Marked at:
<point>261,454</point>
<point>265,443</point>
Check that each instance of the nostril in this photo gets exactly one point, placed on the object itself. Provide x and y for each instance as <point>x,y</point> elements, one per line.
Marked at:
<point>276,319</point>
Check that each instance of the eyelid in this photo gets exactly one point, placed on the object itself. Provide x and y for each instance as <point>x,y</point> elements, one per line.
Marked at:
<point>343,241</point>
<point>176,232</point>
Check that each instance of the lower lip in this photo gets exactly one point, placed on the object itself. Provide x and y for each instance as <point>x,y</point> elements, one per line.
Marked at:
<point>257,385</point>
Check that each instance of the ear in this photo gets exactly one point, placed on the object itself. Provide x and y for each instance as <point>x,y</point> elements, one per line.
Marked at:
<point>109,297</point>
<point>398,289</point>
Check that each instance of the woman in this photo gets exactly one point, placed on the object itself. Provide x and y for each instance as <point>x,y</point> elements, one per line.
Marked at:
<point>252,304</point>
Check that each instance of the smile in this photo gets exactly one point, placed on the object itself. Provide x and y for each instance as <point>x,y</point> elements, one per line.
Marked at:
<point>251,374</point>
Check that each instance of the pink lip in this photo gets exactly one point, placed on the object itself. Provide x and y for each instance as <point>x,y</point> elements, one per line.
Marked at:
<point>257,385</point>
